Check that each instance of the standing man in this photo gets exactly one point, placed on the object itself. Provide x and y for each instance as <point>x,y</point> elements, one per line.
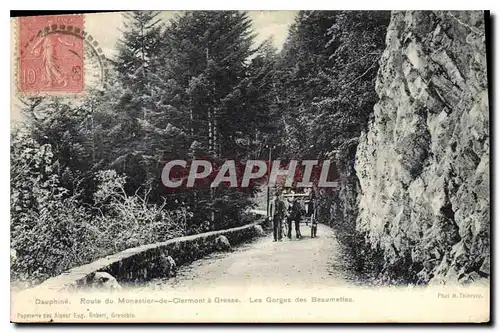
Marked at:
<point>295,215</point>
<point>289,217</point>
<point>313,210</point>
<point>277,213</point>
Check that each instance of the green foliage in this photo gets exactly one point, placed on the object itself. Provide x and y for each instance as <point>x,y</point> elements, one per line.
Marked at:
<point>220,88</point>
<point>327,75</point>
<point>221,81</point>
<point>328,69</point>
<point>47,223</point>
<point>52,230</point>
<point>86,172</point>
<point>139,48</point>
<point>127,221</point>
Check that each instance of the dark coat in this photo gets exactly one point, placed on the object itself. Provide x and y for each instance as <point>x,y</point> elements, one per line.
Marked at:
<point>295,211</point>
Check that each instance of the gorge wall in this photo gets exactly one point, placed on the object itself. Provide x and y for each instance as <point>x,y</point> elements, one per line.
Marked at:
<point>423,163</point>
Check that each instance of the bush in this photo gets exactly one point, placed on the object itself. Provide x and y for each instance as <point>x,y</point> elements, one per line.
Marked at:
<point>52,231</point>
<point>47,225</point>
<point>126,221</point>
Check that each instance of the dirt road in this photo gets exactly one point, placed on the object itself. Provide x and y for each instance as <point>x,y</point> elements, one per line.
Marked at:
<point>262,262</point>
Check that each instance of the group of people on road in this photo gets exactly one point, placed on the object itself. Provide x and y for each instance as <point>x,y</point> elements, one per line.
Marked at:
<point>287,212</point>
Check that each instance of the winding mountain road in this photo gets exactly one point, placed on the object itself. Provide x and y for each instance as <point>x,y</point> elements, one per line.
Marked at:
<point>262,262</point>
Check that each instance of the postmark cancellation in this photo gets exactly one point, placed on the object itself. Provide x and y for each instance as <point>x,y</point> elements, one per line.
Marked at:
<point>55,55</point>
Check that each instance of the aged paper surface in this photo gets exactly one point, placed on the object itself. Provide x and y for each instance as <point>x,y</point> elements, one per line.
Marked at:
<point>277,304</point>
<point>113,116</point>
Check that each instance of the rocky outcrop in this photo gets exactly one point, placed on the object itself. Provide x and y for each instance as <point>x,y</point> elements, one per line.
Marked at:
<point>259,231</point>
<point>103,281</point>
<point>423,164</point>
<point>222,243</point>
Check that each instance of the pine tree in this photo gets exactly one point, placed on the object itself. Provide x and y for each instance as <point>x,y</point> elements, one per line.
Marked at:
<point>212,50</point>
<point>221,84</point>
<point>328,67</point>
<point>138,49</point>
<point>146,125</point>
<point>327,70</point>
<point>304,55</point>
<point>260,125</point>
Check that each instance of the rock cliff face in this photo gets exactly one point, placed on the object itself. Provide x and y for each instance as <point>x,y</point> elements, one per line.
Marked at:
<point>423,164</point>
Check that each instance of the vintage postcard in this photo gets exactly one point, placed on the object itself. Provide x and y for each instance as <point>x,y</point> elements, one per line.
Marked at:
<point>250,167</point>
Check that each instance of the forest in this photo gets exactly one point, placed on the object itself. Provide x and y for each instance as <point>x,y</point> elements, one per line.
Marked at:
<point>86,177</point>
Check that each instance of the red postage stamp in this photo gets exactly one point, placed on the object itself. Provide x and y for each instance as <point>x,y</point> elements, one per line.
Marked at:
<point>51,55</point>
